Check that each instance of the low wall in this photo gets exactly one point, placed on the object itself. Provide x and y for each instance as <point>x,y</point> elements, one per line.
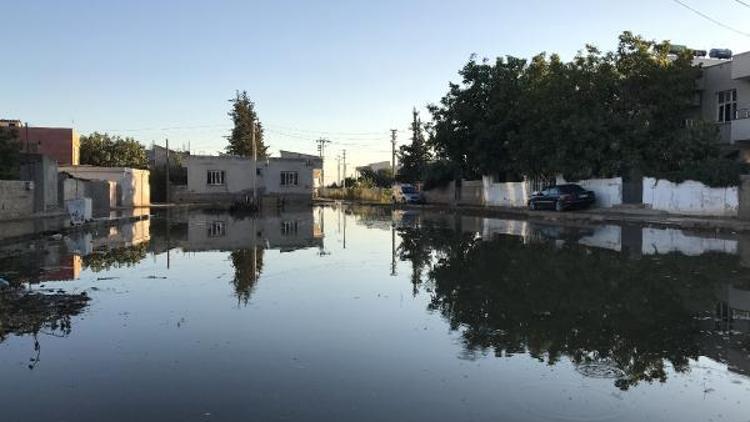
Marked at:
<point>472,192</point>
<point>442,195</point>
<point>608,191</point>
<point>382,195</point>
<point>690,198</point>
<point>16,198</point>
<point>507,194</point>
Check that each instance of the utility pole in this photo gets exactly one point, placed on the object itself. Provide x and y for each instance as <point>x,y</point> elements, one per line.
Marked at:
<point>393,151</point>
<point>322,151</point>
<point>344,166</point>
<point>166,185</point>
<point>338,170</point>
<point>255,171</point>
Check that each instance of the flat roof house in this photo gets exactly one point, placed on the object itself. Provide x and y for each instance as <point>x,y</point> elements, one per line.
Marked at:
<point>227,178</point>
<point>725,99</point>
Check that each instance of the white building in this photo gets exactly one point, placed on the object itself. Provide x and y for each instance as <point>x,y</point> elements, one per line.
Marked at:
<point>227,178</point>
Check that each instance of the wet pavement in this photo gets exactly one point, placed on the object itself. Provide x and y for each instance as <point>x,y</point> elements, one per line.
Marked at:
<point>369,314</point>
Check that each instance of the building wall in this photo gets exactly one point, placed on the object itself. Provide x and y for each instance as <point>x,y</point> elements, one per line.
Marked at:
<point>103,193</point>
<point>42,170</point>
<point>718,78</point>
<point>16,198</point>
<point>507,194</point>
<point>132,184</point>
<point>238,178</point>
<point>61,144</point>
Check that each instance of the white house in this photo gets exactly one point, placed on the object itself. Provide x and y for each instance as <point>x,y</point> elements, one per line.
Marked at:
<point>227,178</point>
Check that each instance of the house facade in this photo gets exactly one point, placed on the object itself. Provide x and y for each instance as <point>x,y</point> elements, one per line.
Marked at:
<point>725,99</point>
<point>229,178</point>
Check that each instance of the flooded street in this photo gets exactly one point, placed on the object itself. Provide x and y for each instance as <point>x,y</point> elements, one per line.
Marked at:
<point>368,314</point>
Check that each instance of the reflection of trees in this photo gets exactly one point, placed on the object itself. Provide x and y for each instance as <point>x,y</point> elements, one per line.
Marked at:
<point>248,265</point>
<point>609,314</point>
<point>24,313</point>
<point>115,258</point>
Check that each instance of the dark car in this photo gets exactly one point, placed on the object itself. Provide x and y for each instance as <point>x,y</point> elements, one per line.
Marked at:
<point>561,198</point>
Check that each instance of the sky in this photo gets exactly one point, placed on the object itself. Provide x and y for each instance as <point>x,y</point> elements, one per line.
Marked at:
<point>348,71</point>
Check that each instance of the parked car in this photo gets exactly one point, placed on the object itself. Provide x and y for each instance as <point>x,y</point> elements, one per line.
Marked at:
<point>406,194</point>
<point>561,198</point>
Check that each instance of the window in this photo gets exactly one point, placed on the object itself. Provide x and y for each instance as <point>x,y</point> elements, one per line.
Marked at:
<point>289,228</point>
<point>217,229</point>
<point>727,105</point>
<point>215,177</point>
<point>289,178</point>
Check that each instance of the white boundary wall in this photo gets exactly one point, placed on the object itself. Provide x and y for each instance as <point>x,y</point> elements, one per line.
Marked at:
<point>608,191</point>
<point>508,194</point>
<point>690,197</point>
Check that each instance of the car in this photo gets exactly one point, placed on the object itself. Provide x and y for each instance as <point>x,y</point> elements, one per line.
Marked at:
<point>561,198</point>
<point>406,194</point>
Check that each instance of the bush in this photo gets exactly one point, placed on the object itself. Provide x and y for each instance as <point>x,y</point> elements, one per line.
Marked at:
<point>714,172</point>
<point>439,174</point>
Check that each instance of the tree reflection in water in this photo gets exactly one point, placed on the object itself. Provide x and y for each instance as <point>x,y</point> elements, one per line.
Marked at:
<point>248,266</point>
<point>611,315</point>
<point>34,313</point>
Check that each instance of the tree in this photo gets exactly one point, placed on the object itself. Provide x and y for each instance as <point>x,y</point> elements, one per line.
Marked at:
<point>380,179</point>
<point>414,157</point>
<point>102,149</point>
<point>9,147</point>
<point>245,120</point>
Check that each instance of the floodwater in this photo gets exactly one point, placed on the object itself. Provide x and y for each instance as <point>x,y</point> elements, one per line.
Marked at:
<point>367,314</point>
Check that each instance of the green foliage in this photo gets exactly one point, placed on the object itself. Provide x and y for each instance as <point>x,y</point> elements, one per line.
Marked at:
<point>599,115</point>
<point>102,149</point>
<point>105,260</point>
<point>245,120</point>
<point>248,266</point>
<point>438,174</point>
<point>379,179</point>
<point>9,147</point>
<point>414,157</point>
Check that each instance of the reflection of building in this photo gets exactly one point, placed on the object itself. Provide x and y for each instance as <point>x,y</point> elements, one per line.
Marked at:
<point>286,231</point>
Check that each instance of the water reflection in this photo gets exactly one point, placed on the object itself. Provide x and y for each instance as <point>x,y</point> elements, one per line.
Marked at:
<point>513,287</point>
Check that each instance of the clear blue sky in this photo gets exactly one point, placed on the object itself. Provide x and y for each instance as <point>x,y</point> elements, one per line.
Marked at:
<point>348,70</point>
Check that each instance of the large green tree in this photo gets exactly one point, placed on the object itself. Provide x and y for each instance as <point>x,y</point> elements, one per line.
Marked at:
<point>9,147</point>
<point>102,149</point>
<point>245,121</point>
<point>599,115</point>
<point>416,156</point>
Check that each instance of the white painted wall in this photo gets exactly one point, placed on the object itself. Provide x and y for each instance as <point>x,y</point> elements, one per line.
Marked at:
<point>508,194</point>
<point>133,183</point>
<point>690,198</point>
<point>608,191</point>
<point>238,174</point>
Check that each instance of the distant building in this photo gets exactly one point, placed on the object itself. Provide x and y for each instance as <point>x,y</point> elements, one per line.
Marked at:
<point>227,178</point>
<point>724,97</point>
<point>375,167</point>
<point>157,156</point>
<point>61,144</point>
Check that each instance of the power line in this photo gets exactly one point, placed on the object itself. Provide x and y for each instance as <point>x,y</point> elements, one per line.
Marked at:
<point>709,18</point>
<point>743,3</point>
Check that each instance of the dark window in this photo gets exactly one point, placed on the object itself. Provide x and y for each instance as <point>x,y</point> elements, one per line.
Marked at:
<point>217,229</point>
<point>215,177</point>
<point>289,178</point>
<point>727,105</point>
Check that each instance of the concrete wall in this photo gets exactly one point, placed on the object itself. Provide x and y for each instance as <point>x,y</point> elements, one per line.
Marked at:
<point>506,194</point>
<point>718,78</point>
<point>271,176</point>
<point>103,193</point>
<point>41,170</point>
<point>608,191</point>
<point>442,195</point>
<point>16,198</point>
<point>238,175</point>
<point>690,198</point>
<point>132,184</point>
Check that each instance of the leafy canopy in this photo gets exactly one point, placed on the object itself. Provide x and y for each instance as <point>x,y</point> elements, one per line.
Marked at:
<point>102,149</point>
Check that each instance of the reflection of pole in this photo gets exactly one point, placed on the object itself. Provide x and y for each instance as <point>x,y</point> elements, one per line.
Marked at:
<point>393,250</point>
<point>344,230</point>
<point>166,196</point>
<point>255,251</point>
<point>255,166</point>
<point>168,238</point>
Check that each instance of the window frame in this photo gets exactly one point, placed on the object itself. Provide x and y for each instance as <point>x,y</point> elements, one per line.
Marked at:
<point>213,176</point>
<point>726,105</point>
<point>289,178</point>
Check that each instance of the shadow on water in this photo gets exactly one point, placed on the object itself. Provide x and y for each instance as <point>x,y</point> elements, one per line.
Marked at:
<point>542,292</point>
